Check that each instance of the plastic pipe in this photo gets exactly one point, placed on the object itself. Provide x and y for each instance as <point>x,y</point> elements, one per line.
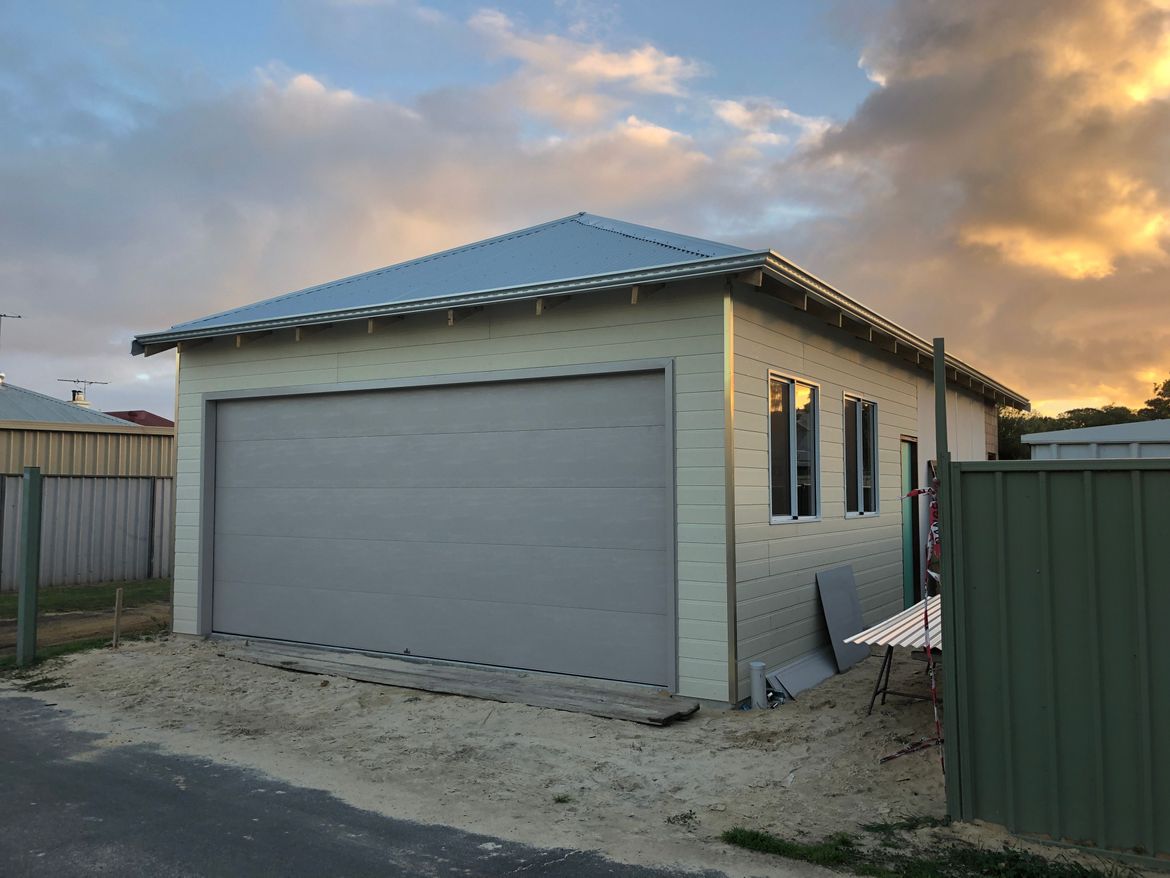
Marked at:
<point>759,691</point>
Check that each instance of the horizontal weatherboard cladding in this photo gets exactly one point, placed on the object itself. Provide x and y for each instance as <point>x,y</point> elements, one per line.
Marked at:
<point>778,608</point>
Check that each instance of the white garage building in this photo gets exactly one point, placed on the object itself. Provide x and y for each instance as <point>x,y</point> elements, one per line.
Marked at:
<point>587,447</point>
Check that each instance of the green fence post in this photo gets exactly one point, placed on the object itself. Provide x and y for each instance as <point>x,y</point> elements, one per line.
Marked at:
<point>30,567</point>
<point>947,586</point>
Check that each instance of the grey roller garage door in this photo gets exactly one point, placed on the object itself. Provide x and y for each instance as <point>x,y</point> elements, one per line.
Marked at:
<point>520,523</point>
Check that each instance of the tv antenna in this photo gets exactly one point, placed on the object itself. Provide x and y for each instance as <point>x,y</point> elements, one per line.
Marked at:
<point>10,317</point>
<point>82,383</point>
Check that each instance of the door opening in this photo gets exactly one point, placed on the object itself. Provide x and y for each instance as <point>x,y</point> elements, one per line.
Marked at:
<point>911,543</point>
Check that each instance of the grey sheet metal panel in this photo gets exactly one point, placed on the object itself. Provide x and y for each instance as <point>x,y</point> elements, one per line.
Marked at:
<point>842,612</point>
<point>524,523</point>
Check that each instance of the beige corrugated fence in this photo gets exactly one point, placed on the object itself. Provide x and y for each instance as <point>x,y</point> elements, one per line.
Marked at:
<point>108,505</point>
<point>87,449</point>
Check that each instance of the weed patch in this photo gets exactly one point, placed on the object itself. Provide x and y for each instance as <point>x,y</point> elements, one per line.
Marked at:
<point>74,598</point>
<point>43,684</point>
<point>8,662</point>
<point>836,850</point>
<point>947,860</point>
<point>907,824</point>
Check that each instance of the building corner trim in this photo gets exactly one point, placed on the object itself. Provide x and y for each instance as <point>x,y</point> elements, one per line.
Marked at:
<point>729,491</point>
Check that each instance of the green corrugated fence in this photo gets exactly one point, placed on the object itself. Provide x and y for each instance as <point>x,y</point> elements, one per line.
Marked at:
<point>1057,619</point>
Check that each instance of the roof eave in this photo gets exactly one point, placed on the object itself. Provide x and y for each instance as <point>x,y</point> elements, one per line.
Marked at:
<point>143,344</point>
<point>918,350</point>
<point>904,342</point>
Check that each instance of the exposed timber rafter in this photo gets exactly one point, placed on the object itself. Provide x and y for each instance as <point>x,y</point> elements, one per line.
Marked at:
<point>753,278</point>
<point>545,303</point>
<point>640,292</point>
<point>454,315</point>
<point>373,324</point>
<point>248,337</point>
<point>303,332</point>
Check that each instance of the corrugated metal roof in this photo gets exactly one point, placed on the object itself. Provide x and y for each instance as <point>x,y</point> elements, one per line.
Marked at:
<point>578,254</point>
<point>575,246</point>
<point>22,404</point>
<point>1139,431</point>
<point>905,629</point>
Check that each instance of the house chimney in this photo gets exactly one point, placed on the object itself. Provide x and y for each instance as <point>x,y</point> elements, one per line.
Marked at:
<point>2,376</point>
<point>79,398</point>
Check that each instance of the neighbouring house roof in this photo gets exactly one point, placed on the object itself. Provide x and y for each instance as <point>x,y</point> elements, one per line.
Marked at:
<point>574,255</point>
<point>1138,431</point>
<point>22,404</point>
<point>143,418</point>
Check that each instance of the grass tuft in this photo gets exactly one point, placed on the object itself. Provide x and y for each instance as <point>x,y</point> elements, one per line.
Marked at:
<point>74,598</point>
<point>907,824</point>
<point>836,850</point>
<point>946,860</point>
<point>8,662</point>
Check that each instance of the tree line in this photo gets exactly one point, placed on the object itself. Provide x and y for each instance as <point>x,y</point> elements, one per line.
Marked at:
<point>1014,423</point>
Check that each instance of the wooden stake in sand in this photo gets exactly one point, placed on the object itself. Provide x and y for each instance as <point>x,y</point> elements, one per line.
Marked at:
<point>117,616</point>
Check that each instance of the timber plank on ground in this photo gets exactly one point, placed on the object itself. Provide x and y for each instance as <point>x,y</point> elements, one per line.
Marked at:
<point>638,704</point>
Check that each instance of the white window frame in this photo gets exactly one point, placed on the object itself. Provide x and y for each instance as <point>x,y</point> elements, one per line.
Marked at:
<point>792,381</point>
<point>859,433</point>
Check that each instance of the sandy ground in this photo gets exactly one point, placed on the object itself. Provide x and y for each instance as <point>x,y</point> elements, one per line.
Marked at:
<point>54,628</point>
<point>638,794</point>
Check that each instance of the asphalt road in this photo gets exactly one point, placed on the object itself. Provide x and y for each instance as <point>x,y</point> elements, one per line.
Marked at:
<point>70,808</point>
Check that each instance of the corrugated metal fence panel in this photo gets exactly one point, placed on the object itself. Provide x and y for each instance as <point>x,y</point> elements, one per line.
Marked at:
<point>95,530</point>
<point>10,494</point>
<point>92,530</point>
<point>1061,576</point>
<point>162,557</point>
<point>131,452</point>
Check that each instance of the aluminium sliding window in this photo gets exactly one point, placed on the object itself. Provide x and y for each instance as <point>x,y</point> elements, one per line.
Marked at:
<point>861,485</point>
<point>793,459</point>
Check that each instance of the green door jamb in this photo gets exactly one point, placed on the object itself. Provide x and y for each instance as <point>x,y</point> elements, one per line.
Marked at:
<point>910,548</point>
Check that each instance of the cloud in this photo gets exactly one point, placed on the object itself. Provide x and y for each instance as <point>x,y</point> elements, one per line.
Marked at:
<point>422,12</point>
<point>574,82</point>
<point>219,199</point>
<point>1040,113</point>
<point>1006,183</point>
<point>758,118</point>
<point>1116,216</point>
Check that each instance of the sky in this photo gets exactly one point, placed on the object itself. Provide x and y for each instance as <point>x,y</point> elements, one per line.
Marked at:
<point>991,172</point>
